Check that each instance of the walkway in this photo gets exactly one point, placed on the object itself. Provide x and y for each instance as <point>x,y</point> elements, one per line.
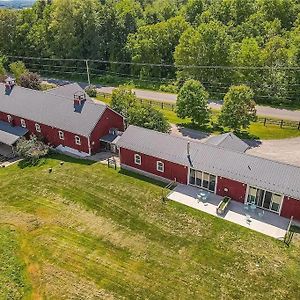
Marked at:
<point>270,224</point>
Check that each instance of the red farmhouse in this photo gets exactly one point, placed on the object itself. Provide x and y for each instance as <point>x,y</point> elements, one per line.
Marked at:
<point>64,117</point>
<point>220,166</point>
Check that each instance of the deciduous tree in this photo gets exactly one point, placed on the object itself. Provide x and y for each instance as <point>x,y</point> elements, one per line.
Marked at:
<point>192,102</point>
<point>238,109</point>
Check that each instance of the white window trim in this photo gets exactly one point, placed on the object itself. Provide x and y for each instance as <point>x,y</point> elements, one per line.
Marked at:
<point>160,163</point>
<point>38,127</point>
<point>77,140</point>
<point>23,123</point>
<point>137,159</point>
<point>61,135</point>
<point>9,118</point>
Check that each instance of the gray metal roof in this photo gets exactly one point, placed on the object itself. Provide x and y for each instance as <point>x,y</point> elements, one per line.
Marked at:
<point>228,141</point>
<point>67,90</point>
<point>54,108</point>
<point>263,173</point>
<point>9,135</point>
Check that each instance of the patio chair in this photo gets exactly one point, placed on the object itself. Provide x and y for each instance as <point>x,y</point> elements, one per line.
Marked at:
<point>261,214</point>
<point>248,219</point>
<point>253,207</point>
<point>199,198</point>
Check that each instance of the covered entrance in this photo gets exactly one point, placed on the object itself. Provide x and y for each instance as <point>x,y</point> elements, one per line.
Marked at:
<point>108,142</point>
<point>9,135</point>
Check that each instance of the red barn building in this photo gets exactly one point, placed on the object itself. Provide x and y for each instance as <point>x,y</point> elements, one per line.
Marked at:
<point>225,171</point>
<point>63,116</point>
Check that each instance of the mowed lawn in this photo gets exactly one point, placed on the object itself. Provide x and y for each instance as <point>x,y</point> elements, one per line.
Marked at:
<point>89,232</point>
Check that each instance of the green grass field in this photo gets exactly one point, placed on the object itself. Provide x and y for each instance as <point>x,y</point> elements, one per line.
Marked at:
<point>89,232</point>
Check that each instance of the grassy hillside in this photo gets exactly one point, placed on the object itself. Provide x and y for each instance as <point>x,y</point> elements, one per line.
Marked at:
<point>89,232</point>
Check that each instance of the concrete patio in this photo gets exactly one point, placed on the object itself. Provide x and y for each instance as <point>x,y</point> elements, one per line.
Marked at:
<point>270,223</point>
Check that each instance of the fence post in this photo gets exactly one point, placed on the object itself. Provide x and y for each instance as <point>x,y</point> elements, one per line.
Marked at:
<point>162,105</point>
<point>172,106</point>
<point>265,121</point>
<point>281,124</point>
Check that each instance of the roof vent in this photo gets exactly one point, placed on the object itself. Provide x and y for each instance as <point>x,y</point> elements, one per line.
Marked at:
<point>79,100</point>
<point>9,85</point>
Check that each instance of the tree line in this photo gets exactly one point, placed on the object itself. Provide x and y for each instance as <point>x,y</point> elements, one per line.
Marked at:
<point>219,43</point>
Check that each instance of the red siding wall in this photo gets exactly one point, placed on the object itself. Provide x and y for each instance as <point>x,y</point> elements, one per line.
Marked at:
<point>109,119</point>
<point>290,207</point>
<point>50,134</point>
<point>236,190</point>
<point>171,171</point>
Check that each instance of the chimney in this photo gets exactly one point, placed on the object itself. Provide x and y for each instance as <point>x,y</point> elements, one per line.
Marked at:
<point>9,85</point>
<point>79,99</point>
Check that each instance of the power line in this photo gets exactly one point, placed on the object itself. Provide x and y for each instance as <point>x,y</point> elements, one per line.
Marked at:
<point>212,84</point>
<point>179,66</point>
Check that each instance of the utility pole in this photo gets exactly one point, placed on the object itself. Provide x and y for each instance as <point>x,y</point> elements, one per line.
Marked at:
<point>88,71</point>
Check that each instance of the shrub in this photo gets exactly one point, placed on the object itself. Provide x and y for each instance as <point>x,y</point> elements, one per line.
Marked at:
<point>91,91</point>
<point>32,150</point>
<point>31,81</point>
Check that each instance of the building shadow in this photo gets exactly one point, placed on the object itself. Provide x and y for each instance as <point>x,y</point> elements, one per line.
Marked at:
<point>192,133</point>
<point>142,178</point>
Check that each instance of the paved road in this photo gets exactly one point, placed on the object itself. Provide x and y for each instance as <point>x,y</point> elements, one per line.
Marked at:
<point>171,98</point>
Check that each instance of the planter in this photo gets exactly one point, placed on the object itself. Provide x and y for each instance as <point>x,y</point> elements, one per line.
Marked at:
<point>223,205</point>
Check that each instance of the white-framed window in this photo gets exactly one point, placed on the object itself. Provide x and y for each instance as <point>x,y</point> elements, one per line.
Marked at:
<point>61,135</point>
<point>265,199</point>
<point>203,180</point>
<point>9,118</point>
<point>23,123</point>
<point>160,166</point>
<point>77,140</point>
<point>137,159</point>
<point>37,127</point>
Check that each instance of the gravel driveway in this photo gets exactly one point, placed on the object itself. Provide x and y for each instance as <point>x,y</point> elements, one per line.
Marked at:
<point>286,150</point>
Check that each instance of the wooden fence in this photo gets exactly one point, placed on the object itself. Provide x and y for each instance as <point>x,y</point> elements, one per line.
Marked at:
<point>264,120</point>
<point>281,123</point>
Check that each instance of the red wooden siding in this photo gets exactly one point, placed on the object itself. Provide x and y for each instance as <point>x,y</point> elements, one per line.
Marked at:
<point>290,207</point>
<point>108,120</point>
<point>236,189</point>
<point>50,134</point>
<point>171,171</point>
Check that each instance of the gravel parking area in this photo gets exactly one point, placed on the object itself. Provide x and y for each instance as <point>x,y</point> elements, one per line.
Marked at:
<point>286,150</point>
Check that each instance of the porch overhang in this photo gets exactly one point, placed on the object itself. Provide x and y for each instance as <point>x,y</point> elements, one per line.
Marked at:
<point>9,135</point>
<point>110,138</point>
